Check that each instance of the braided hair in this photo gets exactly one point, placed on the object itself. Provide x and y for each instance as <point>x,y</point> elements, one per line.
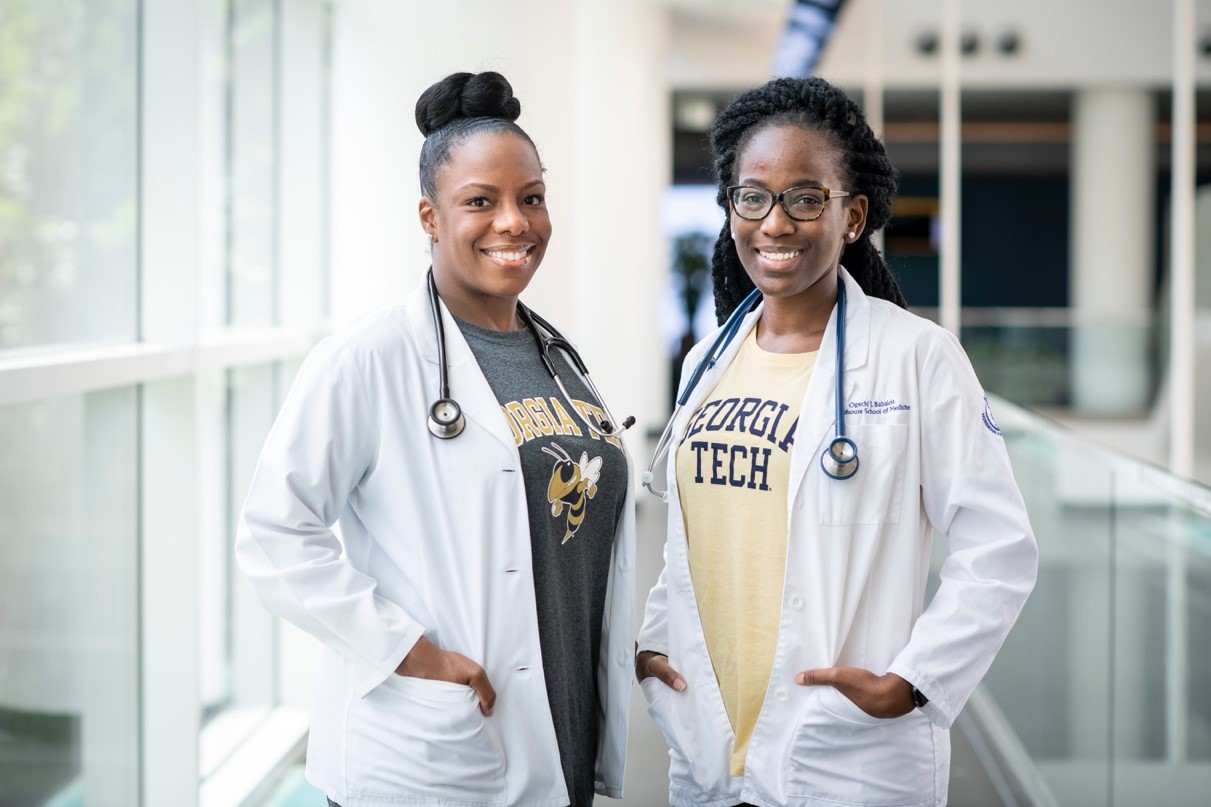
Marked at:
<point>817,106</point>
<point>457,107</point>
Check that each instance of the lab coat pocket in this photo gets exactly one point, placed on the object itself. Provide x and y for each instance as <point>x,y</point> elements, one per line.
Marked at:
<point>666,713</point>
<point>833,701</point>
<point>873,494</point>
<point>840,754</point>
<point>418,738</point>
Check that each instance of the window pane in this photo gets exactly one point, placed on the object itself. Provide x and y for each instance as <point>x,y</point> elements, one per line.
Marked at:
<point>239,637</point>
<point>68,599</point>
<point>68,196</point>
<point>252,403</point>
<point>252,53</point>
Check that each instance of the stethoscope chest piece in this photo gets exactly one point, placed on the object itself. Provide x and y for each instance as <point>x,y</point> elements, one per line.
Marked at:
<point>840,459</point>
<point>446,419</point>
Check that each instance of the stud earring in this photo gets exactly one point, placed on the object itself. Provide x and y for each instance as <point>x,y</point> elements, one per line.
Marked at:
<point>852,235</point>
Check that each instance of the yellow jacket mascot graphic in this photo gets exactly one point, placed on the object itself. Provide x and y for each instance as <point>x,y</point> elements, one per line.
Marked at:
<point>573,484</point>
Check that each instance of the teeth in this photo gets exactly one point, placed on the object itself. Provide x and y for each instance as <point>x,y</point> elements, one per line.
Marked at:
<point>780,256</point>
<point>514,255</point>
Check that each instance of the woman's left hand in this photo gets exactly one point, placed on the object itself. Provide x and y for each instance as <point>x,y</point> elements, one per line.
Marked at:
<point>878,695</point>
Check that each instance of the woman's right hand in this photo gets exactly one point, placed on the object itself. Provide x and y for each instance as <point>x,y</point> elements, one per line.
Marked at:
<point>427,660</point>
<point>650,664</point>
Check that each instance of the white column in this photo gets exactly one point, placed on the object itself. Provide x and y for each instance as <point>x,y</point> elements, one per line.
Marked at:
<point>950,298</point>
<point>1113,182</point>
<point>873,78</point>
<point>1182,357</point>
<point>620,258</point>
<point>1181,247</point>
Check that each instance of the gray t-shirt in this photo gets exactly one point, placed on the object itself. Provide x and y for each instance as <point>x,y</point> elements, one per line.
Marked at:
<point>575,487</point>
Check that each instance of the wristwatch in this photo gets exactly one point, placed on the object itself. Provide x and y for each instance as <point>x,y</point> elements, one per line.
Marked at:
<point>918,697</point>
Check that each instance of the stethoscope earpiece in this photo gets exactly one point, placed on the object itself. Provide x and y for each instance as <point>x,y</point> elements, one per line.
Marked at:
<point>446,418</point>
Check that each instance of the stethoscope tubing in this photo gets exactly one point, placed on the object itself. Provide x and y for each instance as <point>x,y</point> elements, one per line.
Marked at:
<point>719,346</point>
<point>445,415</point>
<point>840,458</point>
<point>726,334</point>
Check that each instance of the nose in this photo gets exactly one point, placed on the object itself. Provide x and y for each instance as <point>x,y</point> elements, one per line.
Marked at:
<point>511,219</point>
<point>777,222</point>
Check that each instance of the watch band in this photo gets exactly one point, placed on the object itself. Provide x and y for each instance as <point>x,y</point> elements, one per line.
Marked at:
<point>918,697</point>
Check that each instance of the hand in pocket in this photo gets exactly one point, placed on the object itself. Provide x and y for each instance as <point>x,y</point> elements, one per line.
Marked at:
<point>427,660</point>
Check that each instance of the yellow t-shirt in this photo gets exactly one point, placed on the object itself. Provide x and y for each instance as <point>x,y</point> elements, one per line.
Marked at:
<point>733,468</point>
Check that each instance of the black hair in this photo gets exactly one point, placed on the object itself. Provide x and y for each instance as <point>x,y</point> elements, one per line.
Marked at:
<point>817,106</point>
<point>458,106</point>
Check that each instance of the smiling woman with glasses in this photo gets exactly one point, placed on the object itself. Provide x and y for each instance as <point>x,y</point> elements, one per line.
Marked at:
<point>821,436</point>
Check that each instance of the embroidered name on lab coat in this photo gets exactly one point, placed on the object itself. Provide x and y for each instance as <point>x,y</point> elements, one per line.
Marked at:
<point>876,407</point>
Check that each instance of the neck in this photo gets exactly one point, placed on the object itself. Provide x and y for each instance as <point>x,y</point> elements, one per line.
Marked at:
<point>796,324</point>
<point>493,313</point>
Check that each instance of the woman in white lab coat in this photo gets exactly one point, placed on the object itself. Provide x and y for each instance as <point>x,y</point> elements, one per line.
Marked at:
<point>785,652</point>
<point>475,615</point>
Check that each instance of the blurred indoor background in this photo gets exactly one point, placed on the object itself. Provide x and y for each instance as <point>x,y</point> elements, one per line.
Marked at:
<point>193,192</point>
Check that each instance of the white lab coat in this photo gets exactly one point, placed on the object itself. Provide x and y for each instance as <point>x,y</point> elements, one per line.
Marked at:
<point>436,541</point>
<point>857,561</point>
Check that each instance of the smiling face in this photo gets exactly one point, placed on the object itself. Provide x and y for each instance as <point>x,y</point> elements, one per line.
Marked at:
<point>786,258</point>
<point>489,225</point>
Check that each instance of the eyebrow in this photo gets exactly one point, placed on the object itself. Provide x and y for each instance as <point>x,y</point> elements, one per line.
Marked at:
<point>798,183</point>
<point>488,187</point>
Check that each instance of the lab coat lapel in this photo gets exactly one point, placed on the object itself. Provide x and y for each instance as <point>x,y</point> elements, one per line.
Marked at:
<point>711,377</point>
<point>705,385</point>
<point>817,417</point>
<point>468,386</point>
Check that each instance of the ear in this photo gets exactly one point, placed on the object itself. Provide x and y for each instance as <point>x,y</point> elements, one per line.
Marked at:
<point>856,215</point>
<point>428,217</point>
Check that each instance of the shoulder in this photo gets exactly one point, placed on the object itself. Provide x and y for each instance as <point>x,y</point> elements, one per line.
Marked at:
<point>382,329</point>
<point>900,330</point>
<point>907,343</point>
<point>375,340</point>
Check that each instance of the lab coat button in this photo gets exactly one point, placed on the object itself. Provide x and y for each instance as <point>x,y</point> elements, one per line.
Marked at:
<point>797,603</point>
<point>624,658</point>
<point>782,695</point>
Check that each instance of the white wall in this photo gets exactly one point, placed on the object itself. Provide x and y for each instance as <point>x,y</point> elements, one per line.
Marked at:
<point>590,80</point>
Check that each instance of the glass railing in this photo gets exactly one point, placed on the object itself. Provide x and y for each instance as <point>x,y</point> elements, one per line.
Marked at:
<point>1102,692</point>
<point>1054,358</point>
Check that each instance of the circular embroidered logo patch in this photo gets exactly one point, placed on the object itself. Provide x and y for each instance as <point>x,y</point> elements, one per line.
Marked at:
<point>988,421</point>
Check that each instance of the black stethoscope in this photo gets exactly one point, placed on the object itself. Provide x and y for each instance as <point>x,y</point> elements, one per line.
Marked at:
<point>446,416</point>
<point>839,460</point>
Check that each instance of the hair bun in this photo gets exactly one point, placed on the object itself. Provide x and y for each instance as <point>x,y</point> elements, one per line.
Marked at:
<point>466,95</point>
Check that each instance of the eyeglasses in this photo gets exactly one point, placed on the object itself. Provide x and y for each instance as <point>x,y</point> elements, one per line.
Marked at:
<point>801,204</point>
